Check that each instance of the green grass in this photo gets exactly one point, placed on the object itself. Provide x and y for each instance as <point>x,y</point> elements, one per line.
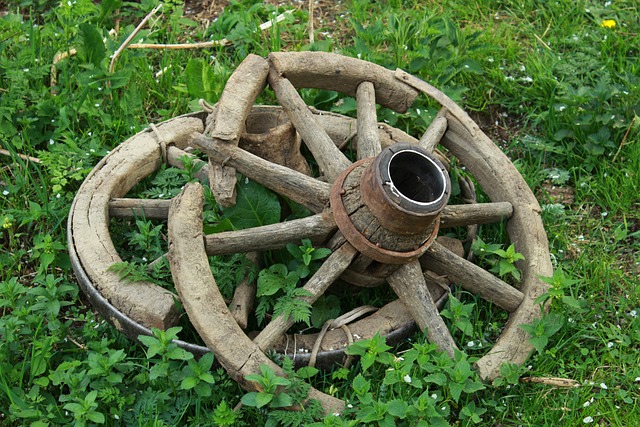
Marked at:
<point>557,90</point>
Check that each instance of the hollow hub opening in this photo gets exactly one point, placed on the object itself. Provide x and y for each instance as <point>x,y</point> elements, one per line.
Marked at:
<point>416,177</point>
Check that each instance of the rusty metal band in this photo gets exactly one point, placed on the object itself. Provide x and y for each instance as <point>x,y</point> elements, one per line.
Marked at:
<point>360,241</point>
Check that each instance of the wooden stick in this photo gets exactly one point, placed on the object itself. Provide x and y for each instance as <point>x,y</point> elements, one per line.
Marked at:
<point>173,158</point>
<point>244,296</point>
<point>123,46</point>
<point>54,70</point>
<point>552,381</point>
<point>330,270</point>
<point>22,156</point>
<point>478,213</point>
<point>368,136</point>
<point>471,277</point>
<point>301,188</point>
<point>150,208</point>
<point>331,160</point>
<point>434,132</point>
<point>315,228</point>
<point>409,284</point>
<point>203,45</point>
<point>311,29</point>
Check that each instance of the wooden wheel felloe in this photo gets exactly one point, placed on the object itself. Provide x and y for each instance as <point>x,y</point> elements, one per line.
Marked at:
<point>380,215</point>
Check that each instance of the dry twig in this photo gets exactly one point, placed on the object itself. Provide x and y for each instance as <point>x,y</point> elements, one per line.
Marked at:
<point>124,45</point>
<point>22,156</point>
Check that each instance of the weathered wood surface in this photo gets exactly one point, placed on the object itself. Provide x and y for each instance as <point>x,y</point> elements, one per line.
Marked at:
<point>89,238</point>
<point>204,304</point>
<point>244,296</point>
<point>316,228</point>
<point>368,136</point>
<point>144,302</point>
<point>432,136</point>
<point>149,208</point>
<point>329,158</point>
<point>471,277</point>
<point>330,270</point>
<point>409,284</point>
<point>331,71</point>
<point>173,158</point>
<point>236,100</point>
<point>279,144</point>
<point>502,182</point>
<point>300,188</point>
<point>238,97</point>
<point>477,213</point>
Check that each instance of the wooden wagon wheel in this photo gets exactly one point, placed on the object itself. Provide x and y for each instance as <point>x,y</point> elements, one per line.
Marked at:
<point>380,214</point>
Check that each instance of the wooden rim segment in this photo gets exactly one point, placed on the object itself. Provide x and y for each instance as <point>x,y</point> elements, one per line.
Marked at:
<point>204,303</point>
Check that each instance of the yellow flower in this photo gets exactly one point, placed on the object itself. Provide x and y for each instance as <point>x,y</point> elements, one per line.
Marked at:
<point>608,23</point>
<point>6,223</point>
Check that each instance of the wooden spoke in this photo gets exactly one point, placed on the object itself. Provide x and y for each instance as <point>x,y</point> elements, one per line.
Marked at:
<point>477,213</point>
<point>331,160</point>
<point>330,270</point>
<point>368,136</point>
<point>471,277</point>
<point>315,228</point>
<point>434,132</point>
<point>149,208</point>
<point>173,158</point>
<point>409,284</point>
<point>300,188</point>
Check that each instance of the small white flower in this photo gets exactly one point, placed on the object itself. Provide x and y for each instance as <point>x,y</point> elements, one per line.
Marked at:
<point>434,396</point>
<point>586,404</point>
<point>51,142</point>
<point>609,344</point>
<point>5,192</point>
<point>637,379</point>
<point>58,196</point>
<point>349,406</point>
<point>97,105</point>
<point>603,386</point>
<point>587,420</point>
<point>407,378</point>
<point>633,313</point>
<point>470,344</point>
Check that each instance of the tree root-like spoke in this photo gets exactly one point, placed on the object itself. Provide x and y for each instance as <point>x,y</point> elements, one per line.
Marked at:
<point>471,277</point>
<point>330,159</point>
<point>267,237</point>
<point>330,270</point>
<point>297,186</point>
<point>434,132</point>
<point>409,284</point>
<point>477,213</point>
<point>368,136</point>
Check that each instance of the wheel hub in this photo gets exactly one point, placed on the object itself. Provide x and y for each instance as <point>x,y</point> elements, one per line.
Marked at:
<point>388,207</point>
